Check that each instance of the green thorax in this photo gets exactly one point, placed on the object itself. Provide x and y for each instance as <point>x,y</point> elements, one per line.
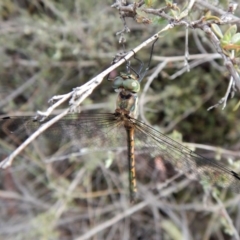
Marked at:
<point>128,86</point>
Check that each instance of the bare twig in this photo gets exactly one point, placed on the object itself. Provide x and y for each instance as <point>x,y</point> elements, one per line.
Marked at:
<point>215,9</point>
<point>214,149</point>
<point>209,56</point>
<point>202,49</point>
<point>227,61</point>
<point>223,101</point>
<point>228,218</point>
<point>146,87</point>
<point>192,65</point>
<point>61,99</point>
<point>186,63</point>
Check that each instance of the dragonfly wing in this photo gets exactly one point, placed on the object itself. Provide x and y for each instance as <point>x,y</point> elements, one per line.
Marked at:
<point>94,141</point>
<point>185,159</point>
<point>84,130</point>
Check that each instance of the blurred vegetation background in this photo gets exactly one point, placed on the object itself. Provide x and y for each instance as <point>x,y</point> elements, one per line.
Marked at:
<point>49,47</point>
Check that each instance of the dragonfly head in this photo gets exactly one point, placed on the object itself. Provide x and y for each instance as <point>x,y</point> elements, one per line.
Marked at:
<point>129,82</point>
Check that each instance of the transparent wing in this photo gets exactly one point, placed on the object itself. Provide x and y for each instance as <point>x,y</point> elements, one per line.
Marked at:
<point>87,141</point>
<point>79,131</point>
<point>186,160</point>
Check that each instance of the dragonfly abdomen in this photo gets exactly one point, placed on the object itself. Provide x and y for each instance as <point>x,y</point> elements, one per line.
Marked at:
<point>131,163</point>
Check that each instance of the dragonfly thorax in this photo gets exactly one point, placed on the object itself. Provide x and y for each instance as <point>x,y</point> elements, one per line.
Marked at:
<point>128,102</point>
<point>124,117</point>
<point>127,86</point>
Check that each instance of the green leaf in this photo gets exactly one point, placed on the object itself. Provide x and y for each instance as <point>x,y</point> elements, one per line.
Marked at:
<point>232,30</point>
<point>149,3</point>
<point>173,232</point>
<point>175,13</point>
<point>229,33</point>
<point>236,38</point>
<point>236,106</point>
<point>183,14</point>
<point>217,30</point>
<point>227,227</point>
<point>158,20</point>
<point>169,2</point>
<point>227,37</point>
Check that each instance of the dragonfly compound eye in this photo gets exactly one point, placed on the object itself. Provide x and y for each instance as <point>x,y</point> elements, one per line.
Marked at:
<point>118,83</point>
<point>131,85</point>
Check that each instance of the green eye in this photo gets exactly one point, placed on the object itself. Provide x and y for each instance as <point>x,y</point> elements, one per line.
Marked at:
<point>117,83</point>
<point>131,85</point>
<point>128,84</point>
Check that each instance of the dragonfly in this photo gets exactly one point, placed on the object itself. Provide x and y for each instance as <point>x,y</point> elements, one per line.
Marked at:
<point>122,128</point>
